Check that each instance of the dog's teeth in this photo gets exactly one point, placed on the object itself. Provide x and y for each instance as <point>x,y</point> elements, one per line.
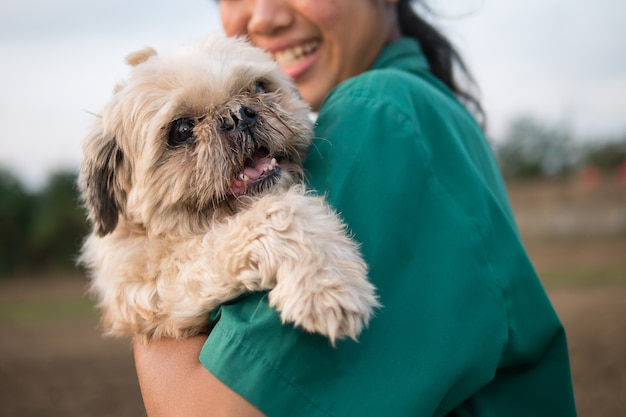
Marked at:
<point>270,167</point>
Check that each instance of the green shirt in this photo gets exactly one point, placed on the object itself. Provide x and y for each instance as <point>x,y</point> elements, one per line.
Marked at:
<point>465,323</point>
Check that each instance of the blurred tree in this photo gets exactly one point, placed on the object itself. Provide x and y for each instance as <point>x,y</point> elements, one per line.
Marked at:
<point>606,155</point>
<point>40,232</point>
<point>16,213</point>
<point>58,227</point>
<point>531,149</point>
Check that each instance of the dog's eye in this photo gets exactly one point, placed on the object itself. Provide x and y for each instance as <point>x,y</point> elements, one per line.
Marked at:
<point>260,87</point>
<point>181,132</point>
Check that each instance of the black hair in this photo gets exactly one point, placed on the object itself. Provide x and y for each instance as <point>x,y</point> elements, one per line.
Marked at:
<point>445,62</point>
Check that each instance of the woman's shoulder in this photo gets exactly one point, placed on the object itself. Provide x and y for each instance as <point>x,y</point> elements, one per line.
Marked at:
<point>392,88</point>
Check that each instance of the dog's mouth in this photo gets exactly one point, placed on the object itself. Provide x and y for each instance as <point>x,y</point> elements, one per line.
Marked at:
<point>258,169</point>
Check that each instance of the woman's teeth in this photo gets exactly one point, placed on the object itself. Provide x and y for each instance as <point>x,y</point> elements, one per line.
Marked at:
<point>288,57</point>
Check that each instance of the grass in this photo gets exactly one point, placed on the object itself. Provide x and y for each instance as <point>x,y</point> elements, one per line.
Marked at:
<point>579,262</point>
<point>587,277</point>
<point>42,310</point>
<point>79,306</point>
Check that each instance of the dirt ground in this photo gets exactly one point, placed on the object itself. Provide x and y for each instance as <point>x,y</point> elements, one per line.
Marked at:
<point>55,363</point>
<point>62,367</point>
<point>595,321</point>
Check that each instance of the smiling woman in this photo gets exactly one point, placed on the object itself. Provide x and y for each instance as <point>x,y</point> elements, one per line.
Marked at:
<point>323,50</point>
<point>409,169</point>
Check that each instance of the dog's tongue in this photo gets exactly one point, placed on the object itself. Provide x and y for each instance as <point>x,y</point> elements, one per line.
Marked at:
<point>254,170</point>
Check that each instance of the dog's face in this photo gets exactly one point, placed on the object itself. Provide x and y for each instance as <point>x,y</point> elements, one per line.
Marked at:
<point>190,134</point>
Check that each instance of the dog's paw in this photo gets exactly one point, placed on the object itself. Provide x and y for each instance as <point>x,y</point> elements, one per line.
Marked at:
<point>332,304</point>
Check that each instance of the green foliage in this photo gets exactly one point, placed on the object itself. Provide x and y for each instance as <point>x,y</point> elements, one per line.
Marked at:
<point>531,149</point>
<point>40,232</point>
<point>607,155</point>
<point>16,213</point>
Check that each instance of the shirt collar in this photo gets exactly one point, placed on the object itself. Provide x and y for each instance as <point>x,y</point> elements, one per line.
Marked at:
<point>403,53</point>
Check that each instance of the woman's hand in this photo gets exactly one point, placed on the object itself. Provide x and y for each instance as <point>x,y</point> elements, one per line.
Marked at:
<point>174,383</point>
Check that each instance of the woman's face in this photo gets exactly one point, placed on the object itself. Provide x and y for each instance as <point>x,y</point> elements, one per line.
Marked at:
<point>318,43</point>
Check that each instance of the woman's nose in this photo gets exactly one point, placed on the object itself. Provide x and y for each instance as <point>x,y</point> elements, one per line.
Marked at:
<point>270,17</point>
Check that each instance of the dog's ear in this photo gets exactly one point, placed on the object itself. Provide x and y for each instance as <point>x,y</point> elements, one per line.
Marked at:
<point>101,180</point>
<point>135,58</point>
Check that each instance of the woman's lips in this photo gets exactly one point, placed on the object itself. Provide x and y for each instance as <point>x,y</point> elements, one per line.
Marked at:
<point>296,60</point>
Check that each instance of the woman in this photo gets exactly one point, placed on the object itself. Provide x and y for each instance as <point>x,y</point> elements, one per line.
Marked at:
<point>466,328</point>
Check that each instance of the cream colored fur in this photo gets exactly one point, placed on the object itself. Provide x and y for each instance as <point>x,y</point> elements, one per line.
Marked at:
<point>189,209</point>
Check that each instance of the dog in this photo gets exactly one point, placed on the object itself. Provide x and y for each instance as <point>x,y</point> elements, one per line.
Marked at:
<point>192,179</point>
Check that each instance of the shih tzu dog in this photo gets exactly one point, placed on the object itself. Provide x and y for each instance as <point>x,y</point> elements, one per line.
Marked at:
<point>192,180</point>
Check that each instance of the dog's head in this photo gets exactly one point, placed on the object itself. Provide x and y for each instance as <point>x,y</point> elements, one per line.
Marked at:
<point>190,134</point>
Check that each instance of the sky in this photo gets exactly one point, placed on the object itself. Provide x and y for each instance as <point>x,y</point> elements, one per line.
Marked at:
<point>560,62</point>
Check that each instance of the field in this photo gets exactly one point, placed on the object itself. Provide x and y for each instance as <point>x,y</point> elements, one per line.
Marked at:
<point>53,361</point>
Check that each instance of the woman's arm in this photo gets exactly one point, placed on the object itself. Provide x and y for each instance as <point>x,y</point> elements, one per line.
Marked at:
<point>174,383</point>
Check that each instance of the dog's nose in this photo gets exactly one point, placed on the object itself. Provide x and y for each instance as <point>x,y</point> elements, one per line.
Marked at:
<point>247,118</point>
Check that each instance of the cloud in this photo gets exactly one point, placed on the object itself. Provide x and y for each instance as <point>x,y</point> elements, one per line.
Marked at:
<point>69,19</point>
<point>558,60</point>
<point>60,62</point>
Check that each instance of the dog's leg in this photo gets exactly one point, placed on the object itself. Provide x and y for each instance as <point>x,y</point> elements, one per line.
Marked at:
<point>296,246</point>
